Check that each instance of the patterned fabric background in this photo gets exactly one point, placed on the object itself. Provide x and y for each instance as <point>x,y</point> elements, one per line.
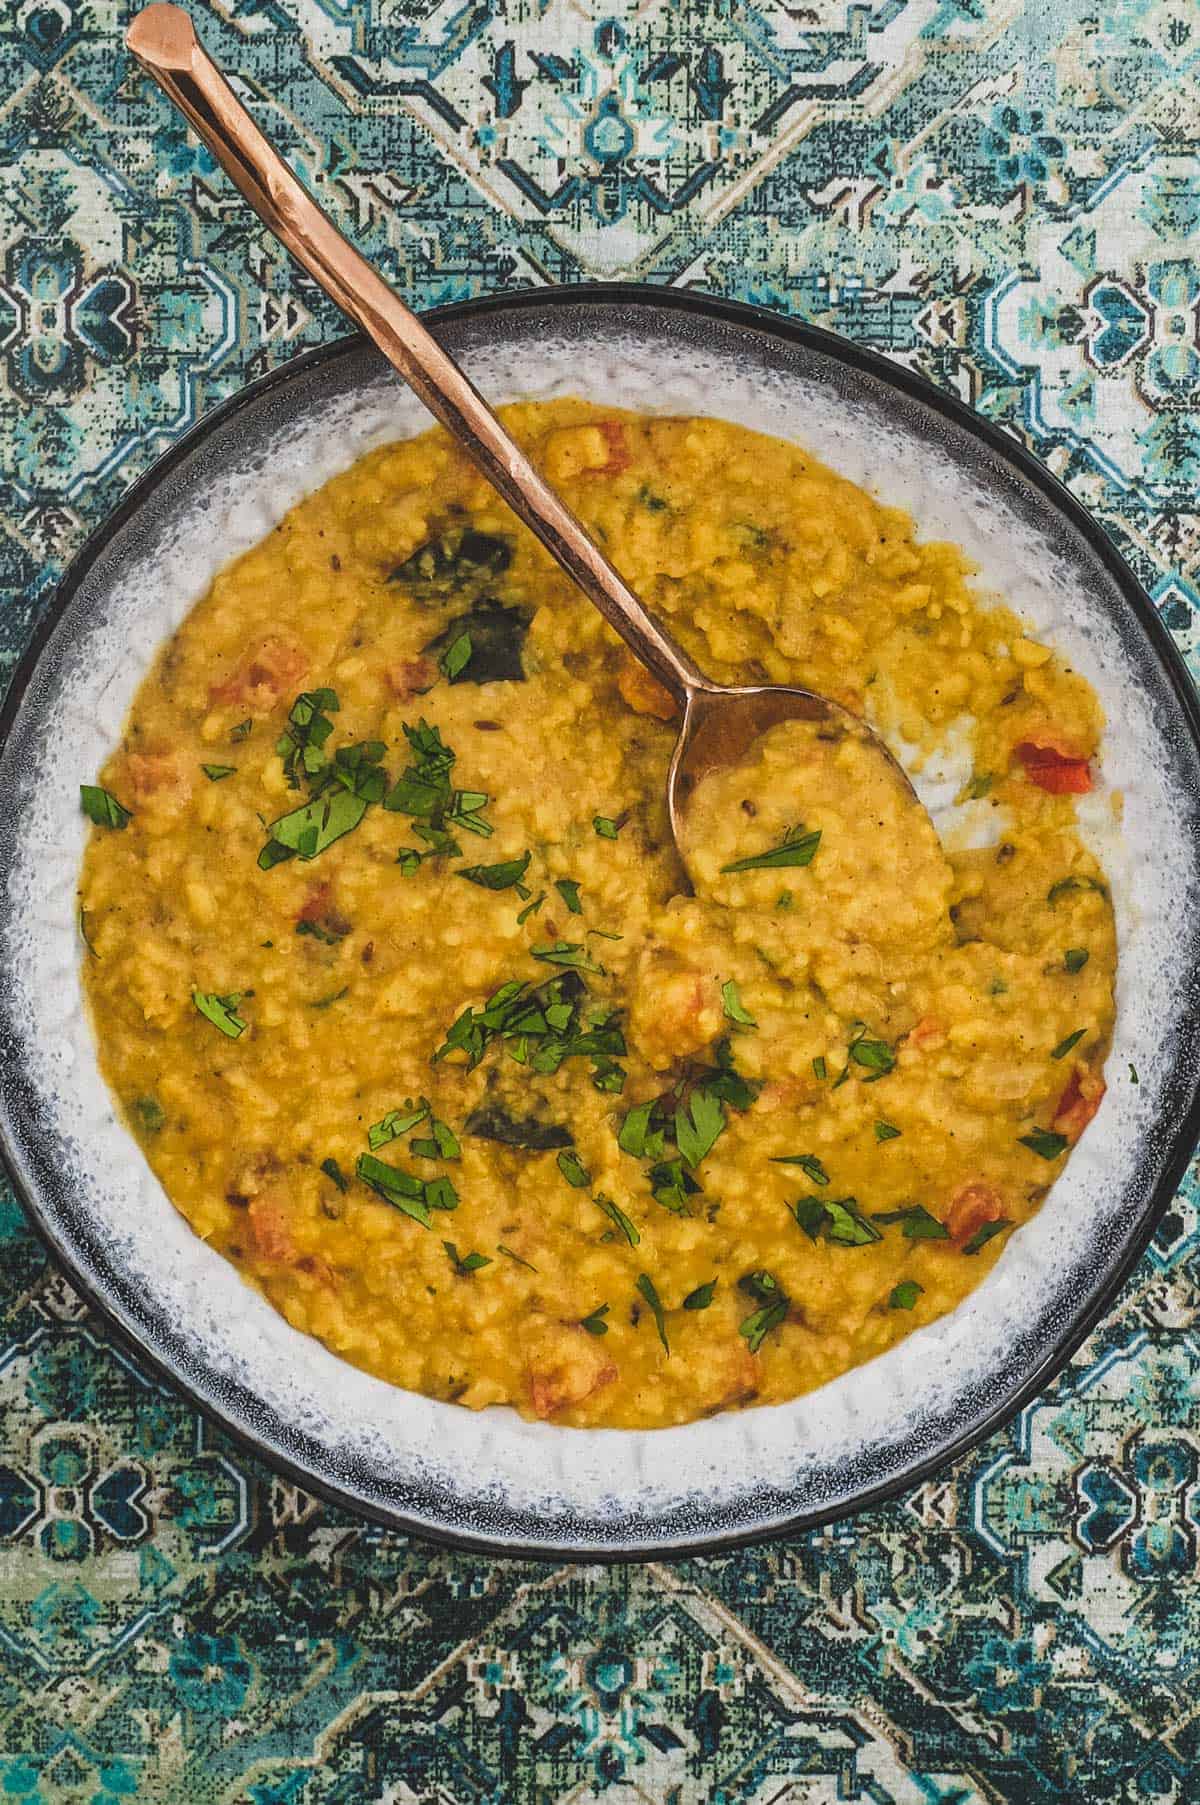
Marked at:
<point>1002,194</point>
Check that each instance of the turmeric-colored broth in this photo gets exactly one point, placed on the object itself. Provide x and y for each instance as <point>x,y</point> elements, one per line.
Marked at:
<point>702,1150</point>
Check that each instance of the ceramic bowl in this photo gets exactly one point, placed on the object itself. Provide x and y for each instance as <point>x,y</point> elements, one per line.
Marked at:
<point>490,1479</point>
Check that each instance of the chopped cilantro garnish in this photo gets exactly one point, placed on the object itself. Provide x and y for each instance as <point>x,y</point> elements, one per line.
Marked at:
<point>734,1009</point>
<point>977,788</point>
<point>820,1069</point>
<point>492,1123</point>
<point>424,790</point>
<point>414,1197</point>
<point>886,1131</point>
<point>221,1011</point>
<point>102,807</point>
<point>334,996</point>
<point>797,847</point>
<point>1044,1143</point>
<point>1133,1076</point>
<point>541,1027</point>
<point>904,1295</point>
<point>606,828</point>
<point>645,1285</point>
<point>917,1222</point>
<point>983,1235</point>
<point>334,1172</point>
<point>440,1143</point>
<point>456,657</point>
<point>343,789</point>
<point>465,1264</point>
<point>697,1125</point>
<point>1075,958</point>
<point>568,889</point>
<point>242,731</point>
<point>807,1162</point>
<point>1064,1046</point>
<point>530,909</point>
<point>301,744</point>
<point>617,1216</point>
<point>317,930</point>
<point>671,1184</point>
<point>567,952</point>
<point>875,1056</point>
<point>773,1302</point>
<point>215,773</point>
<point>83,932</point>
<point>594,1323</point>
<point>574,1170</point>
<point>701,1297</point>
<point>846,1224</point>
<point>496,877</point>
<point>638,1137</point>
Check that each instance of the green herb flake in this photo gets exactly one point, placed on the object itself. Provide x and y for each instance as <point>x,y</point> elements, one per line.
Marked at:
<point>904,1295</point>
<point>514,1257</point>
<point>846,1224</point>
<point>150,1114</point>
<point>1133,1076</point>
<point>645,1286</point>
<point>455,659</point>
<point>773,1303</point>
<point>1075,958</point>
<point>820,1069</point>
<point>918,1224</point>
<point>215,773</point>
<point>242,731</point>
<point>301,745</point>
<point>797,847</point>
<point>568,889</point>
<point>701,1297</point>
<point>496,877</point>
<point>440,1143</point>
<point>734,1010</point>
<point>875,1056</point>
<point>465,1264</point>
<point>886,1131</point>
<point>1064,1046</point>
<point>977,788</point>
<point>637,1135</point>
<point>574,1170</point>
<point>404,1192</point>
<point>334,996</point>
<point>530,909</point>
<point>606,828</point>
<point>983,1235</point>
<point>334,1172</point>
<point>221,1011</point>
<point>568,953</point>
<point>617,1217</point>
<point>698,1125</point>
<point>102,807</point>
<point>1045,1144</point>
<point>810,1215</point>
<point>808,1163</point>
<point>594,1322</point>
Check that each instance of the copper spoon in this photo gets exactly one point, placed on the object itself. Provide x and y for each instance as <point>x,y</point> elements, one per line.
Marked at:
<point>718,723</point>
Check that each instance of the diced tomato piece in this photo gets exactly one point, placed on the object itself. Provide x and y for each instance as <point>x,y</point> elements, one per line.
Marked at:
<point>269,1226</point>
<point>316,902</point>
<point>970,1208</point>
<point>1057,772</point>
<point>564,1366</point>
<point>411,678</point>
<point>151,772</point>
<point>642,692</point>
<point>928,1032</point>
<point>1079,1103</point>
<point>274,670</point>
<point>619,456</point>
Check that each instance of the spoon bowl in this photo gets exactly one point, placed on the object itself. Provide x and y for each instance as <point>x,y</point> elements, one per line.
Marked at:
<point>718,724</point>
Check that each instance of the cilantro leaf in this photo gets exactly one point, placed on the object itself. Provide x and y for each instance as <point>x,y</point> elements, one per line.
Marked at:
<point>917,1222</point>
<point>808,1163</point>
<point>1075,958</point>
<point>334,1172</point>
<point>301,744</point>
<point>1044,1143</point>
<point>221,1011</point>
<point>698,1125</point>
<point>456,657</point>
<point>102,807</point>
<point>215,773</point>
<point>606,828</point>
<point>404,1192</point>
<point>617,1216</point>
<point>796,848</point>
<point>468,1263</point>
<point>1064,1046</point>
<point>774,1304</point>
<point>904,1295</point>
<point>734,1009</point>
<point>574,1170</point>
<point>396,1122</point>
<point>983,1235</point>
<point>594,1322</point>
<point>568,889</point>
<point>886,1131</point>
<point>645,1286</point>
<point>701,1297</point>
<point>496,877</point>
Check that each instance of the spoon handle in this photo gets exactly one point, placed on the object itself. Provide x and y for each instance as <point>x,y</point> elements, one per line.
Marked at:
<point>163,41</point>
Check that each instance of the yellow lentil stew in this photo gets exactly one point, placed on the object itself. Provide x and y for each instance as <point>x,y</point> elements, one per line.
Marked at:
<point>396,978</point>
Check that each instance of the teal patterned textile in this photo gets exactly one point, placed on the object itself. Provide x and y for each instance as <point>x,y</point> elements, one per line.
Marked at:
<point>1001,194</point>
